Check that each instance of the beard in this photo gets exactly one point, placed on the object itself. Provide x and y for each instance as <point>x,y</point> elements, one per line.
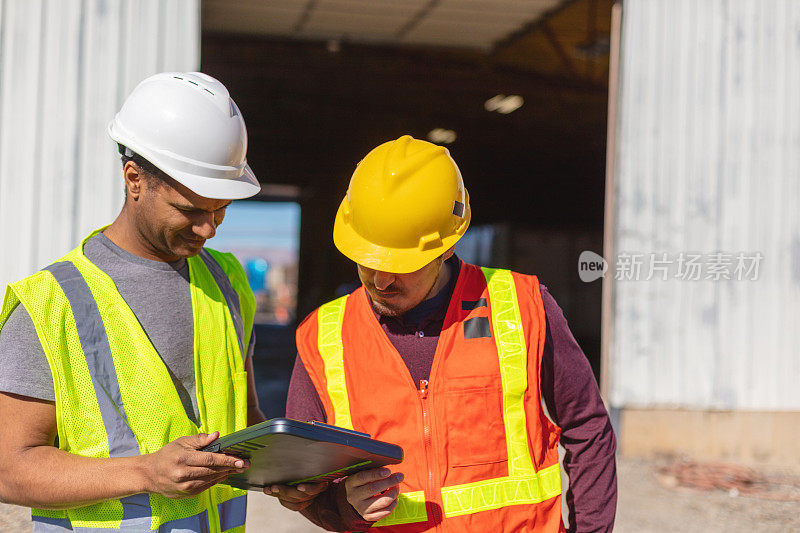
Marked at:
<point>401,307</point>
<point>384,309</point>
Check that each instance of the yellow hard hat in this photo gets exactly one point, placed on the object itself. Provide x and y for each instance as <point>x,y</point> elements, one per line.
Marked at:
<point>405,206</point>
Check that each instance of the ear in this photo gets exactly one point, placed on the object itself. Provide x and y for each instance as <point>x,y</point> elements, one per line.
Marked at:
<point>134,181</point>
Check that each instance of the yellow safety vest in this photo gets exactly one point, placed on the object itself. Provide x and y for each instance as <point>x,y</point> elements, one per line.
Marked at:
<point>116,398</point>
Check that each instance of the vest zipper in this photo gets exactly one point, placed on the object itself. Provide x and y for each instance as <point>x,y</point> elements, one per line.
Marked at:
<point>428,442</point>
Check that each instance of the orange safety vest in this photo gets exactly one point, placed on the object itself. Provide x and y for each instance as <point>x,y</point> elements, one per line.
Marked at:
<point>480,452</point>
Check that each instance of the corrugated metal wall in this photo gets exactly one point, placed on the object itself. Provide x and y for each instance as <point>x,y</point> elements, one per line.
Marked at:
<point>65,68</point>
<point>708,160</point>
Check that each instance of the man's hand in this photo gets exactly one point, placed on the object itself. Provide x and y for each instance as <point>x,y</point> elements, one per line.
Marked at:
<point>298,497</point>
<point>373,493</point>
<point>179,469</point>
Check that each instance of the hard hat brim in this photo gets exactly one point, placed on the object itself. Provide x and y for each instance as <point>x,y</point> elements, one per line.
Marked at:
<point>244,186</point>
<point>386,259</point>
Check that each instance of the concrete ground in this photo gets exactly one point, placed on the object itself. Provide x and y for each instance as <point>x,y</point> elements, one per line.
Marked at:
<point>648,502</point>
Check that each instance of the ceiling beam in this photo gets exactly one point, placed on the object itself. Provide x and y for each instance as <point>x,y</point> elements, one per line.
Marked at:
<point>562,54</point>
<point>305,16</point>
<point>512,38</point>
<point>414,21</point>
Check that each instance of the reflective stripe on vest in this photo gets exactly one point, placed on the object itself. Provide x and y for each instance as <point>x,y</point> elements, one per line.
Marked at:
<point>136,511</point>
<point>330,346</point>
<point>231,515</point>
<point>410,508</point>
<point>232,512</point>
<point>230,295</point>
<point>513,354</point>
<point>136,516</point>
<point>94,341</point>
<point>196,523</point>
<point>523,485</point>
<point>499,492</point>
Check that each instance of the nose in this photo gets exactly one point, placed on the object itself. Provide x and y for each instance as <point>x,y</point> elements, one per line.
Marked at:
<point>207,227</point>
<point>382,280</point>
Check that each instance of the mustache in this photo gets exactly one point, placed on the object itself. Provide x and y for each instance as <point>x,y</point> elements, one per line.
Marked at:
<point>391,289</point>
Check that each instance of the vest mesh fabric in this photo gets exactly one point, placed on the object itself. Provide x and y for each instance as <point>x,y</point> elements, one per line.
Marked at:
<point>145,407</point>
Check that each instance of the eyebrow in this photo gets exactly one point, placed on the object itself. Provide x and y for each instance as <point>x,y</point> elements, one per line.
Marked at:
<point>190,207</point>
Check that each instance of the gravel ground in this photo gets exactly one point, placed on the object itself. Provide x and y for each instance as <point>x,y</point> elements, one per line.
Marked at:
<point>648,502</point>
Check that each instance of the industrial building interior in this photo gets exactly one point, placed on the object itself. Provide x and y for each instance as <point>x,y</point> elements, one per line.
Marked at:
<point>321,82</point>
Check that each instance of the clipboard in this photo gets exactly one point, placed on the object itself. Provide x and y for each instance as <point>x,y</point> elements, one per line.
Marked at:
<point>288,452</point>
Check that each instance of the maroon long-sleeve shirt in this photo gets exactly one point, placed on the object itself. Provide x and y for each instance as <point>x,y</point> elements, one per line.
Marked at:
<point>568,388</point>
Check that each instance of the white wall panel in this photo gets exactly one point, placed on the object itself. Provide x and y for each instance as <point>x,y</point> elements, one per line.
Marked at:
<point>708,160</point>
<point>65,68</point>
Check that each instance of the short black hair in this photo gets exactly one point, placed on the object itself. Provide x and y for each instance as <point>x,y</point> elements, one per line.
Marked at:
<point>141,162</point>
<point>147,168</point>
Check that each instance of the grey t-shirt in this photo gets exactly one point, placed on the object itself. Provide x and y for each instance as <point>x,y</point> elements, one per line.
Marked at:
<point>158,294</point>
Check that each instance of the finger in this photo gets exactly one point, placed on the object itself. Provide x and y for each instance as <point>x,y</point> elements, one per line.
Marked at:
<point>374,516</point>
<point>374,488</point>
<point>312,489</point>
<point>289,494</point>
<point>201,439</point>
<point>198,485</point>
<point>381,501</point>
<point>213,479</point>
<point>366,476</point>
<point>212,460</point>
<point>378,502</point>
<point>199,472</point>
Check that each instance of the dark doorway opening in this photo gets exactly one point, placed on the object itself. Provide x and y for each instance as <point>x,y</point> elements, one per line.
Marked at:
<point>535,175</point>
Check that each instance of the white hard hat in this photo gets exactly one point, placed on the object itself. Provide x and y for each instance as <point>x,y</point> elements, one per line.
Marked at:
<point>187,125</point>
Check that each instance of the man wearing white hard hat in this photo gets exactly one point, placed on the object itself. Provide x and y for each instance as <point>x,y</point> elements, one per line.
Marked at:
<point>132,352</point>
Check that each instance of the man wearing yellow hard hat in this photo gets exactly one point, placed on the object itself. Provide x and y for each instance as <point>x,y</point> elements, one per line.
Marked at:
<point>472,370</point>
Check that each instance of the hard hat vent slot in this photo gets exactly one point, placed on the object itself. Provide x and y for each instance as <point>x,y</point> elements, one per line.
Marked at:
<point>206,89</point>
<point>458,209</point>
